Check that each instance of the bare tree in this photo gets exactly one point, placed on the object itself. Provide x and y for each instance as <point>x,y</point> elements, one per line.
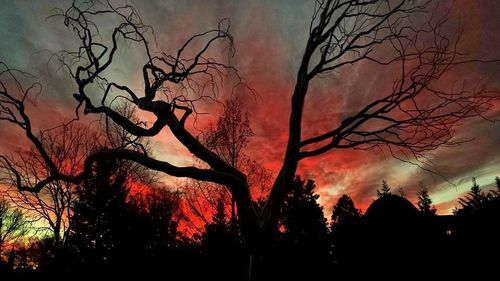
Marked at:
<point>67,145</point>
<point>231,134</point>
<point>413,118</point>
<point>201,200</point>
<point>228,139</point>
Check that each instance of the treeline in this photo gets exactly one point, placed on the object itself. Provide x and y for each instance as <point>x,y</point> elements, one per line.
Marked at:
<point>114,231</point>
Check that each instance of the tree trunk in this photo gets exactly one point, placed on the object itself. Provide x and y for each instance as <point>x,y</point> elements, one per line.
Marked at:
<point>269,216</point>
<point>257,255</point>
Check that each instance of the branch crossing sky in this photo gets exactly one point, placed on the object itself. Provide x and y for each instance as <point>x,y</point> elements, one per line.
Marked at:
<point>269,40</point>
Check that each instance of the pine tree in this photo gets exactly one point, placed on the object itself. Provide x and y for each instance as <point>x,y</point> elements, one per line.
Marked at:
<point>222,244</point>
<point>385,190</point>
<point>302,215</point>
<point>155,224</point>
<point>305,236</point>
<point>476,195</point>
<point>111,230</point>
<point>101,217</point>
<point>424,203</point>
<point>473,201</point>
<point>345,229</point>
<point>497,180</point>
<point>344,212</point>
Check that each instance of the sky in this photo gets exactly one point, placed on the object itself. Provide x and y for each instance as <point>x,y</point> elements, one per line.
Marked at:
<point>269,38</point>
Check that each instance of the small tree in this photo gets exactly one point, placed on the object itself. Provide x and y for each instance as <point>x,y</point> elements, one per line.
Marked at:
<point>160,208</point>
<point>231,134</point>
<point>305,231</point>
<point>217,231</point>
<point>344,212</point>
<point>221,245</point>
<point>473,201</point>
<point>68,146</point>
<point>302,216</point>
<point>385,190</point>
<point>100,215</point>
<point>228,139</point>
<point>13,225</point>
<point>345,232</point>
<point>424,202</point>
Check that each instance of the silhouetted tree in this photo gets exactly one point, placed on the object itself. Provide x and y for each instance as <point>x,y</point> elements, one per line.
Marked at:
<point>477,230</point>
<point>345,228</point>
<point>231,134</point>
<point>344,212</point>
<point>303,220</point>
<point>305,233</point>
<point>13,226</point>
<point>228,139</point>
<point>424,202</point>
<point>222,247</point>
<point>160,208</point>
<point>68,146</point>
<point>101,218</point>
<point>151,243</point>
<point>497,180</point>
<point>24,258</point>
<point>472,202</point>
<point>50,259</point>
<point>218,228</point>
<point>341,34</point>
<point>385,190</point>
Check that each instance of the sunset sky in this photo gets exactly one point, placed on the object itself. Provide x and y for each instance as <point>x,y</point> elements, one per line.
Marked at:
<point>269,39</point>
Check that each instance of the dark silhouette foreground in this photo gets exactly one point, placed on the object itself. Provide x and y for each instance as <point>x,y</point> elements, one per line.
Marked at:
<point>287,237</point>
<point>114,235</point>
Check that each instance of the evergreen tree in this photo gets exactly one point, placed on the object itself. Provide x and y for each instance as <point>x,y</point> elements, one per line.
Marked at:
<point>473,201</point>
<point>424,203</point>
<point>154,225</point>
<point>218,231</point>
<point>477,226</point>
<point>161,209</point>
<point>303,218</point>
<point>100,225</point>
<point>497,180</point>
<point>344,212</point>
<point>305,233</point>
<point>222,244</point>
<point>385,190</point>
<point>346,220</point>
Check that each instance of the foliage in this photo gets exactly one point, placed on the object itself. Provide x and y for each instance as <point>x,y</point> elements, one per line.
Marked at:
<point>424,203</point>
<point>385,190</point>
<point>344,212</point>
<point>473,201</point>
<point>13,225</point>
